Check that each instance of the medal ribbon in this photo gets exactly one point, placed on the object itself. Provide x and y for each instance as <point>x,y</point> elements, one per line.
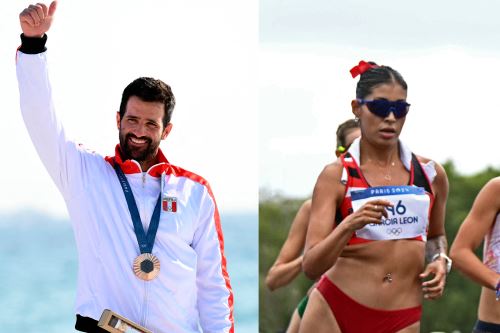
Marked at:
<point>146,241</point>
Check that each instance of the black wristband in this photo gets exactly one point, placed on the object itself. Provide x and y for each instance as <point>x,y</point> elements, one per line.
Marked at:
<point>33,45</point>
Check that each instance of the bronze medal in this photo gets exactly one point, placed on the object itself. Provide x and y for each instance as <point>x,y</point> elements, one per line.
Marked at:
<point>146,267</point>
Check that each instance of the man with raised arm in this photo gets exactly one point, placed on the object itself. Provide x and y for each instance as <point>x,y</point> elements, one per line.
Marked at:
<point>148,233</point>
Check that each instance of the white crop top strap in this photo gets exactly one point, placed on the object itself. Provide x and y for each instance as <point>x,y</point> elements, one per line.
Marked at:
<point>491,249</point>
<point>430,170</point>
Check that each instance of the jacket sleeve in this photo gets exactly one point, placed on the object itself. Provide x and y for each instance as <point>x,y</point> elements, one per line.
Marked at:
<point>59,155</point>
<point>215,297</point>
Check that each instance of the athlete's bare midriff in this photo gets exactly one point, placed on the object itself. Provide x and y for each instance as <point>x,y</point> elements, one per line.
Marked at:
<point>489,307</point>
<point>381,274</point>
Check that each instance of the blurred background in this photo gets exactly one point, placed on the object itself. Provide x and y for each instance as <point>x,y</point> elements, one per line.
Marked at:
<point>446,51</point>
<point>39,272</point>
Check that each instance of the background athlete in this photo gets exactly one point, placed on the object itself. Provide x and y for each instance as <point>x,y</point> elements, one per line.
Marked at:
<point>288,264</point>
<point>482,223</point>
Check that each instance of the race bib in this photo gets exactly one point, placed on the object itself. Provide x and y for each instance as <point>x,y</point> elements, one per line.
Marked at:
<point>407,218</point>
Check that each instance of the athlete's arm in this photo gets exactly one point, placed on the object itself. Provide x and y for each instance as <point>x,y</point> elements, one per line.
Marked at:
<point>61,157</point>
<point>289,262</point>
<point>436,243</point>
<point>215,297</point>
<point>323,246</point>
<point>476,225</point>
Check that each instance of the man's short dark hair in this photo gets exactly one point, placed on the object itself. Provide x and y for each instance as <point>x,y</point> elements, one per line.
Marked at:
<point>148,89</point>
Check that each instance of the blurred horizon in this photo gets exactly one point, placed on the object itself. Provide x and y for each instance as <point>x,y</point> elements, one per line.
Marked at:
<point>39,264</point>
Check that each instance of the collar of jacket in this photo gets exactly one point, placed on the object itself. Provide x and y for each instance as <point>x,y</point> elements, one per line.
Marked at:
<point>132,166</point>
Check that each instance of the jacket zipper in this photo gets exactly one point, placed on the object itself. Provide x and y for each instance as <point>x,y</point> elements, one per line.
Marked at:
<point>145,304</point>
<point>144,315</point>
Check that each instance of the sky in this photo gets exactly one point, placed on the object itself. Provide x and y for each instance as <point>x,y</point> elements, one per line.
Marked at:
<point>206,51</point>
<point>447,51</point>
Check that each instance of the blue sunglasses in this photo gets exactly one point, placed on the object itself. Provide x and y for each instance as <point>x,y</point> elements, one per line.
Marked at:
<point>382,107</point>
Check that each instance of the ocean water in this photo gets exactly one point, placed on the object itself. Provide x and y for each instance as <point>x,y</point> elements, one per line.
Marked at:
<point>38,264</point>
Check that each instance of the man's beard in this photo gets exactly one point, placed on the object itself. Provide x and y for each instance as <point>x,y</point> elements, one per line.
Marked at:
<point>140,155</point>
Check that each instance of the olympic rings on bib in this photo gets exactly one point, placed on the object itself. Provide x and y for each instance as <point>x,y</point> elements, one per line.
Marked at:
<point>394,231</point>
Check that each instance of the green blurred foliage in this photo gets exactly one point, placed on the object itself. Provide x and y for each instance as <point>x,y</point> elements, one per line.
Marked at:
<point>454,312</point>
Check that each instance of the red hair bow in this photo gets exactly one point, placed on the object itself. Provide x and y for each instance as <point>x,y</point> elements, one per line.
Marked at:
<point>362,67</point>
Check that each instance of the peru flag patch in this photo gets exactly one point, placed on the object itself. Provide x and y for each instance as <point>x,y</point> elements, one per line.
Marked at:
<point>170,204</point>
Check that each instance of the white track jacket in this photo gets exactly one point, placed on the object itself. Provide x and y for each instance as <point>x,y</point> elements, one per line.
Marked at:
<point>192,292</point>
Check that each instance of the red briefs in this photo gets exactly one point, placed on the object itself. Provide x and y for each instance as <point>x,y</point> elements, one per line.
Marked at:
<point>353,317</point>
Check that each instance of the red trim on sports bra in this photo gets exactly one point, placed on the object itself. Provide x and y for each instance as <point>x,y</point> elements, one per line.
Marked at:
<point>345,208</point>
